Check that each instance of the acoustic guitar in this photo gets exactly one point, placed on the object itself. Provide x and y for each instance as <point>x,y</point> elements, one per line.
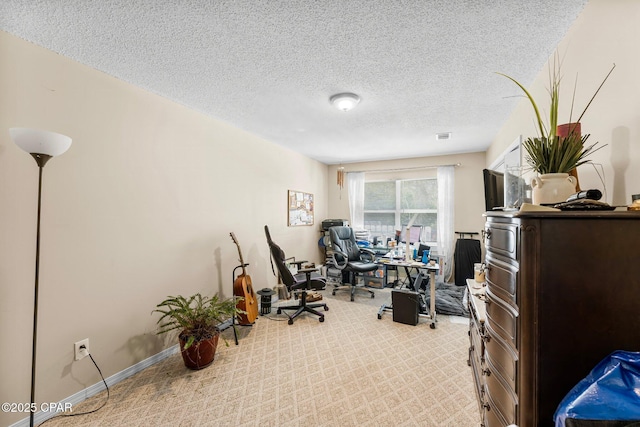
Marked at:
<point>242,288</point>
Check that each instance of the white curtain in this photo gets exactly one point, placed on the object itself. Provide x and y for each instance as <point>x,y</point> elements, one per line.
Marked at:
<point>355,187</point>
<point>446,238</point>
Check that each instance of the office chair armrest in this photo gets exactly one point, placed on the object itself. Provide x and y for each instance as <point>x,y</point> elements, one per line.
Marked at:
<point>307,270</point>
<point>292,260</point>
<point>332,258</point>
<point>368,253</point>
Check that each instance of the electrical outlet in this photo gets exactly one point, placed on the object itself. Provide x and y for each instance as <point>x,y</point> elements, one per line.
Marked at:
<point>81,349</point>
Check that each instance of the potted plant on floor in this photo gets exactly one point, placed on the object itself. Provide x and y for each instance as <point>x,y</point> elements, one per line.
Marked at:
<point>555,156</point>
<point>197,317</point>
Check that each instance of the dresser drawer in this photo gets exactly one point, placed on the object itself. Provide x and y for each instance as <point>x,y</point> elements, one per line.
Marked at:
<point>501,319</point>
<point>500,398</point>
<point>476,341</point>
<point>492,416</point>
<point>501,358</point>
<point>502,279</point>
<point>474,305</point>
<point>502,239</point>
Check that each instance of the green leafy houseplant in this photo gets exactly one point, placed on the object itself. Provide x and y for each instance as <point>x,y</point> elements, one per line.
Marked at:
<point>550,153</point>
<point>198,318</point>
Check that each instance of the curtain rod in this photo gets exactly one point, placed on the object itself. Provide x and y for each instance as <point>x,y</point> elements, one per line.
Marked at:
<point>406,169</point>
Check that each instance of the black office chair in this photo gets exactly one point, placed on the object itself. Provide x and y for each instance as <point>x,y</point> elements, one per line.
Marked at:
<point>351,259</point>
<point>306,280</point>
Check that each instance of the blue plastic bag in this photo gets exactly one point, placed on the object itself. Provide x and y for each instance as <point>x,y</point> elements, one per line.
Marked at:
<point>611,391</point>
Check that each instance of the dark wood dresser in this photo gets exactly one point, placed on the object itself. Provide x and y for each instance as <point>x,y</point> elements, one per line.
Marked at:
<point>563,292</point>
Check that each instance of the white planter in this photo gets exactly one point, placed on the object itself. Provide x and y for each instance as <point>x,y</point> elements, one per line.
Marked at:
<point>552,188</point>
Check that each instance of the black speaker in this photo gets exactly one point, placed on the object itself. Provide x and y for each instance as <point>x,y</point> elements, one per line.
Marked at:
<point>405,305</point>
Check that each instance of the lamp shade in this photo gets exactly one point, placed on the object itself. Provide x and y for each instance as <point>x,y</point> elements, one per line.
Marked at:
<point>40,141</point>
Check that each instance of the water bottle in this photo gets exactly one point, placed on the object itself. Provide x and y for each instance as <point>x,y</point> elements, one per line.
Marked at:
<point>425,256</point>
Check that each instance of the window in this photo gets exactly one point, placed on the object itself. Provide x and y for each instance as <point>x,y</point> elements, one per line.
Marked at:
<point>391,204</point>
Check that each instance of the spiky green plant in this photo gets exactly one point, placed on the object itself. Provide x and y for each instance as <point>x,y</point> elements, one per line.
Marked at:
<point>550,153</point>
<point>197,316</point>
<point>558,155</point>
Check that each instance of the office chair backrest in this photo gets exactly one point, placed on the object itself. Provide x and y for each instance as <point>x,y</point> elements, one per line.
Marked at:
<point>278,255</point>
<point>268,234</point>
<point>345,241</point>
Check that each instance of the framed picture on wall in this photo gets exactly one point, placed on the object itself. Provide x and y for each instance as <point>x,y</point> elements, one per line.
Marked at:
<point>300,208</point>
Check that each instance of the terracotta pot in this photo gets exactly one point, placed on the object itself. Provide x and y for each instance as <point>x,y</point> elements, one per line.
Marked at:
<point>551,188</point>
<point>200,354</point>
<point>568,128</point>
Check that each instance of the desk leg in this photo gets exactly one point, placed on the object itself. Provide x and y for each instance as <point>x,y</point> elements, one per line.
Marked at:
<point>432,308</point>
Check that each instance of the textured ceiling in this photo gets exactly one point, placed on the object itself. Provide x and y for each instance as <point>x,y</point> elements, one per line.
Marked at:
<point>269,67</point>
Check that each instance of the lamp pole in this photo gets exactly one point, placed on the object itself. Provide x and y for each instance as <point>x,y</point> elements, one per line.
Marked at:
<point>41,160</point>
<point>42,145</point>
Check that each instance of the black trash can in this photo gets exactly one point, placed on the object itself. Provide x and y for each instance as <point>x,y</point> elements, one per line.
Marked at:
<point>265,300</point>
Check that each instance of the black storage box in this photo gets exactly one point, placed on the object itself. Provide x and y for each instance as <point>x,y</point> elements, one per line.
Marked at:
<point>405,305</point>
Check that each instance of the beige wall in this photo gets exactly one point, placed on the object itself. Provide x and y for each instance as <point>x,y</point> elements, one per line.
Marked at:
<point>139,208</point>
<point>469,188</point>
<point>605,33</point>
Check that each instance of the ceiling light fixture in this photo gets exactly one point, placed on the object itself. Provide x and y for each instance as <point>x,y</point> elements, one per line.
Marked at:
<point>344,101</point>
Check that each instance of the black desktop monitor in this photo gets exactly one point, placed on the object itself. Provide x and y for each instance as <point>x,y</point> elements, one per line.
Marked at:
<point>493,189</point>
<point>421,249</point>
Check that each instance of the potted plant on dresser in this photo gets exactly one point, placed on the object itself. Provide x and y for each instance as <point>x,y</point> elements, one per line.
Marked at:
<point>197,317</point>
<point>554,155</point>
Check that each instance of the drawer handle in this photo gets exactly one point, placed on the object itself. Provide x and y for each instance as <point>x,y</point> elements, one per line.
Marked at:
<point>486,338</point>
<point>487,234</point>
<point>486,406</point>
<point>486,372</point>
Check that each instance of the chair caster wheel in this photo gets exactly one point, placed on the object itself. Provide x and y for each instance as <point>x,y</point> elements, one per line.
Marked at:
<point>321,319</point>
<point>432,326</point>
<point>352,298</point>
<point>379,316</point>
<point>326,308</point>
<point>290,321</point>
<point>373,295</point>
<point>333,293</point>
<point>279,311</point>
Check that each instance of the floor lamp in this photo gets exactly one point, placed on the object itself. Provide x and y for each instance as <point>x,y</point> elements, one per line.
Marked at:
<point>42,145</point>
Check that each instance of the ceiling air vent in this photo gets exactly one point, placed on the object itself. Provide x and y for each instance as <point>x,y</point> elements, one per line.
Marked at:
<point>443,136</point>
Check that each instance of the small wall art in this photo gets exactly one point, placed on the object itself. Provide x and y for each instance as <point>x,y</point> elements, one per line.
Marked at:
<point>300,208</point>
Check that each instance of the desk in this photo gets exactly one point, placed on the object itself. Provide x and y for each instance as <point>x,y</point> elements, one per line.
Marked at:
<point>408,265</point>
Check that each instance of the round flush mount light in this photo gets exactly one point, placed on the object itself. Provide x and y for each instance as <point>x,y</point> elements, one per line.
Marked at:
<point>344,101</point>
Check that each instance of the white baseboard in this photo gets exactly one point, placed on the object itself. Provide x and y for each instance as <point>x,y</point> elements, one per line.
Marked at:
<point>99,386</point>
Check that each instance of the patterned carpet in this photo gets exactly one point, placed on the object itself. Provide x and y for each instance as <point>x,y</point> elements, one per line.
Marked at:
<point>350,370</point>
